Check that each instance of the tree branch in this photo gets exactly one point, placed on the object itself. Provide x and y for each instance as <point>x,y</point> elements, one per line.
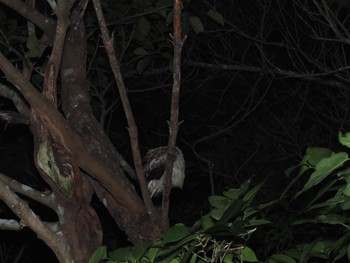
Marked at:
<point>47,199</point>
<point>44,23</point>
<point>174,114</point>
<point>57,243</point>
<point>108,43</point>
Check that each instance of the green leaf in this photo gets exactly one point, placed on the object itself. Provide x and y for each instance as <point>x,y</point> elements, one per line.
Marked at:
<point>216,16</point>
<point>258,222</point>
<point>232,193</point>
<point>345,206</point>
<point>151,254</point>
<point>283,258</point>
<point>206,222</point>
<point>248,198</point>
<point>232,211</point>
<point>344,138</point>
<point>248,255</point>
<point>99,254</point>
<point>121,254</point>
<point>245,186</point>
<point>218,201</point>
<point>323,168</point>
<point>228,258</point>
<point>217,213</point>
<point>315,154</point>
<point>333,219</point>
<point>140,248</point>
<point>196,24</point>
<point>176,233</point>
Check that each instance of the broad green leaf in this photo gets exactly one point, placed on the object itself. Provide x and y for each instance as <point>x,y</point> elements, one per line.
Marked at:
<point>99,254</point>
<point>320,193</point>
<point>218,201</point>
<point>283,258</point>
<point>140,248</point>
<point>248,255</point>
<point>216,16</point>
<point>321,248</point>
<point>232,211</point>
<point>196,24</point>
<point>121,254</point>
<point>228,258</point>
<point>344,138</point>
<point>207,222</point>
<point>315,154</point>
<point>323,168</point>
<point>217,213</point>
<point>232,193</point>
<point>176,233</point>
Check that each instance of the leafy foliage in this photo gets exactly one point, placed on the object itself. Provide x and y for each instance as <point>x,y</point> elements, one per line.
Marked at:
<point>307,225</point>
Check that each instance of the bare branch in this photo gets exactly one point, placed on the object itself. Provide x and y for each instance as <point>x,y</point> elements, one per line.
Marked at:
<point>57,243</point>
<point>174,113</point>
<point>20,104</point>
<point>44,23</point>
<point>108,43</point>
<point>47,199</point>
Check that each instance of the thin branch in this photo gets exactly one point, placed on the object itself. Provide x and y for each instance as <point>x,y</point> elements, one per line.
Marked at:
<point>109,47</point>
<point>11,94</point>
<point>57,243</point>
<point>44,23</point>
<point>47,199</point>
<point>174,112</point>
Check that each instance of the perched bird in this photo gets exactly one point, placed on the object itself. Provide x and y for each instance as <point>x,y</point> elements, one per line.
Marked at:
<point>154,169</point>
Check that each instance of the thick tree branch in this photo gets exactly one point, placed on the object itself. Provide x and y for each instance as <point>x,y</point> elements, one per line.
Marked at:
<point>63,134</point>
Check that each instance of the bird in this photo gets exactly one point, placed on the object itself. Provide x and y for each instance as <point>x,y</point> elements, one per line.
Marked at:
<point>154,169</point>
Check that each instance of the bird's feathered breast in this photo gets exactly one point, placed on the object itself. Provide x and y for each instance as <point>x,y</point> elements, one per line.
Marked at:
<point>154,169</point>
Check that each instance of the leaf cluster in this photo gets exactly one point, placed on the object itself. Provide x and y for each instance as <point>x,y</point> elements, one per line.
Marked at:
<point>308,225</point>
